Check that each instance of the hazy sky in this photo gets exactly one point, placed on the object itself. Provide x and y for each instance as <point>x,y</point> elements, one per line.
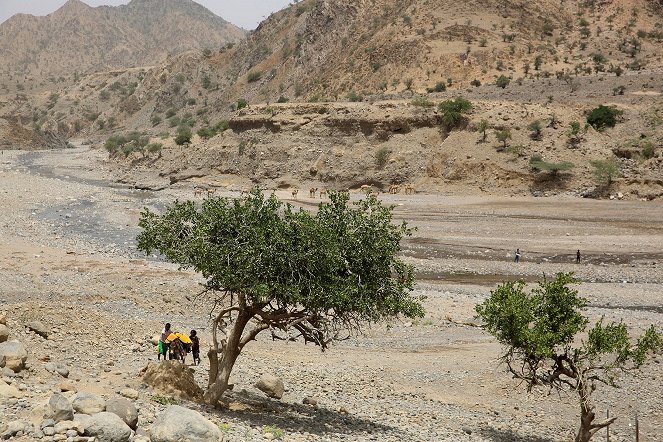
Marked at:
<point>244,13</point>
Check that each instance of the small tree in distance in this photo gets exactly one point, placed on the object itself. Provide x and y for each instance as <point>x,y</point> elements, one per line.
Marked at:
<point>605,171</point>
<point>453,112</point>
<point>503,136</point>
<point>482,127</point>
<point>535,127</point>
<point>319,277</point>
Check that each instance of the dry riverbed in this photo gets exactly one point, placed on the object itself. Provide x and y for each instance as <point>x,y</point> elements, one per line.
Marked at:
<point>68,259</point>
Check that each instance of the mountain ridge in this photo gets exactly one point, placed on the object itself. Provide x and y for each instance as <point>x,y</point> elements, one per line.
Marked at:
<point>81,38</point>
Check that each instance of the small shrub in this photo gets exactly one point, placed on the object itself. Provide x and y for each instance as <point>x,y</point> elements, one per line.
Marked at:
<point>603,116</point>
<point>282,99</point>
<point>535,127</point>
<point>354,97</point>
<point>254,76</point>
<point>171,113</point>
<point>503,136</point>
<point>475,83</point>
<point>242,103</point>
<point>422,102</point>
<point>439,87</point>
<point>537,163</point>
<point>156,120</point>
<point>605,171</point>
<point>381,157</point>
<point>502,81</point>
<point>453,111</point>
<point>277,432</point>
<point>165,400</point>
<point>648,150</point>
<point>183,136</point>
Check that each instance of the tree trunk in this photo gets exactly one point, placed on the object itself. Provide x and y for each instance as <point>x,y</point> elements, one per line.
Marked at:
<point>586,412</point>
<point>586,419</point>
<point>220,368</point>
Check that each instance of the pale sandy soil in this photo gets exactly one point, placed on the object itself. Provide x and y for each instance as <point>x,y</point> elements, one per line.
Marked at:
<point>67,257</point>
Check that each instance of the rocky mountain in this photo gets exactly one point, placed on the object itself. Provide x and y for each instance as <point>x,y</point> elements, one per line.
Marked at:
<point>78,39</point>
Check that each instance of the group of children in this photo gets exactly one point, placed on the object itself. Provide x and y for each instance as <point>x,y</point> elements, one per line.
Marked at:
<point>176,345</point>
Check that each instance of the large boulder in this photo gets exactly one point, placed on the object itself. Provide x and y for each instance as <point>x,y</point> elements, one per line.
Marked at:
<point>4,333</point>
<point>14,355</point>
<point>88,403</point>
<point>125,409</point>
<point>39,328</point>
<point>61,409</point>
<point>271,385</point>
<point>172,378</point>
<point>177,424</point>
<point>106,427</point>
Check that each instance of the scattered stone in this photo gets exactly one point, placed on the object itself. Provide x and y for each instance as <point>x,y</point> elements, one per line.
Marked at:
<point>8,391</point>
<point>125,409</point>
<point>47,423</point>
<point>88,403</point>
<point>64,426</point>
<point>39,328</point>
<point>14,428</point>
<point>14,355</point>
<point>129,393</point>
<point>271,385</point>
<point>4,333</point>
<point>107,427</point>
<point>178,423</point>
<point>60,369</point>
<point>61,409</point>
<point>310,401</point>
<point>67,386</point>
<point>3,318</point>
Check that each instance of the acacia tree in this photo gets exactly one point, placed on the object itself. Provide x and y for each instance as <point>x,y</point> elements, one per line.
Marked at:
<point>539,332</point>
<point>318,277</point>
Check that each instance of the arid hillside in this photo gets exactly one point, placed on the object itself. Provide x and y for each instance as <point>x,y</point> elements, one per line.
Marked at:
<point>44,52</point>
<point>328,79</point>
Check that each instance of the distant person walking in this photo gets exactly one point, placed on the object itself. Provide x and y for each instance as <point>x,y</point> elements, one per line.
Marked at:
<point>578,257</point>
<point>163,345</point>
<point>517,259</point>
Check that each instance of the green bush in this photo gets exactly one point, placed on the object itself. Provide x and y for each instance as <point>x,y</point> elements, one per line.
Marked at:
<point>254,76</point>
<point>183,136</point>
<point>475,83</point>
<point>648,150</point>
<point>422,102</point>
<point>439,87</point>
<point>156,120</point>
<point>502,81</point>
<point>535,127</point>
<point>381,157</point>
<point>603,116</point>
<point>605,171</point>
<point>242,103</point>
<point>453,112</point>
<point>537,163</point>
<point>354,97</point>
<point>282,99</point>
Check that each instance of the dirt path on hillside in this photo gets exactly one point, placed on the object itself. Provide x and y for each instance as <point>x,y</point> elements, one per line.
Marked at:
<point>68,258</point>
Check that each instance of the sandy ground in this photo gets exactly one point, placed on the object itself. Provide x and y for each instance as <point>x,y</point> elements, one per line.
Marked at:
<point>67,257</point>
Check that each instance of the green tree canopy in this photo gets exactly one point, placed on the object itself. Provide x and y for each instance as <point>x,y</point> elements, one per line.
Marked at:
<point>320,275</point>
<point>603,116</point>
<point>453,112</point>
<point>539,332</point>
